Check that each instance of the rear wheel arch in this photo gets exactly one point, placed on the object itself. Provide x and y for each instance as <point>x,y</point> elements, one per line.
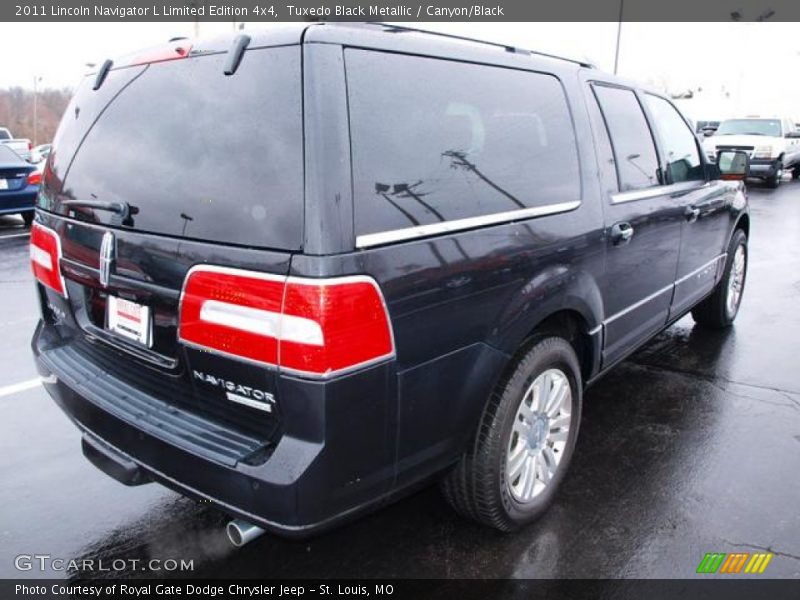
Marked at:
<point>560,301</point>
<point>570,325</point>
<point>744,224</point>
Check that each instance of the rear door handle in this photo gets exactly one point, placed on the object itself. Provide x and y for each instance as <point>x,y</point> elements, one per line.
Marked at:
<point>691,213</point>
<point>621,233</point>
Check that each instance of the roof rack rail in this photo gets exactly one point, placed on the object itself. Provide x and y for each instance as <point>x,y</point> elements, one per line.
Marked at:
<point>462,38</point>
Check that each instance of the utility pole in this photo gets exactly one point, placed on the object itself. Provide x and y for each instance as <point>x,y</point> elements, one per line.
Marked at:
<point>197,4</point>
<point>619,35</point>
<point>36,80</point>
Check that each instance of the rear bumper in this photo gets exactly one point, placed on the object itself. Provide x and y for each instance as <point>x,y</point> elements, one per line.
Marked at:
<point>18,201</point>
<point>311,481</point>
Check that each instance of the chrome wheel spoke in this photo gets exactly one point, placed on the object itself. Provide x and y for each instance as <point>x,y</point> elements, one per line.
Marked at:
<point>521,428</point>
<point>544,472</point>
<point>559,393</point>
<point>562,422</point>
<point>530,479</point>
<point>548,464</point>
<point>526,410</point>
<point>538,395</point>
<point>516,462</point>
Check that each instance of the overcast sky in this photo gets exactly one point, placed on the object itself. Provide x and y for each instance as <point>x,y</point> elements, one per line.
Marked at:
<point>742,68</point>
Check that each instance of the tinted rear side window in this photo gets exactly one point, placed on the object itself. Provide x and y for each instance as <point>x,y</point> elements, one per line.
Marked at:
<point>634,150</point>
<point>437,140</point>
<point>200,154</point>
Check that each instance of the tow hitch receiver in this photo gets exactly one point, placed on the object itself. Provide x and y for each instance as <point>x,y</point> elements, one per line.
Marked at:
<point>112,463</point>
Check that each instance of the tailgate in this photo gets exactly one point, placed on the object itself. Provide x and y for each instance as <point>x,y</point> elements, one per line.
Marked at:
<point>208,170</point>
<point>149,271</point>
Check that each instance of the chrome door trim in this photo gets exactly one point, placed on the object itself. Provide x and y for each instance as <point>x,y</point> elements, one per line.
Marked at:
<point>410,233</point>
<point>663,290</point>
<point>716,259</point>
<point>636,305</point>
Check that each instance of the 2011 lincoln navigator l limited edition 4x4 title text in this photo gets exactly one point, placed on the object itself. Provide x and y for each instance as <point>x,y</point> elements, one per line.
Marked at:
<point>301,272</point>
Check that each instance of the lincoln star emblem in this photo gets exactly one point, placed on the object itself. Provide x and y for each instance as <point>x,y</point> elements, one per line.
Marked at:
<point>107,252</point>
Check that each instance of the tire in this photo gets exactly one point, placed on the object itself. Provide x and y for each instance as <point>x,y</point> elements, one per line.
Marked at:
<point>719,309</point>
<point>775,180</point>
<point>27,217</point>
<point>796,173</point>
<point>479,487</point>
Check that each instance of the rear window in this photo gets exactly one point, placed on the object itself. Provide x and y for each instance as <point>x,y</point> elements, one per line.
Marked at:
<point>199,154</point>
<point>436,140</point>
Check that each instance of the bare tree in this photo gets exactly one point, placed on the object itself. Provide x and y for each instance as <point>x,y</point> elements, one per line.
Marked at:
<point>16,111</point>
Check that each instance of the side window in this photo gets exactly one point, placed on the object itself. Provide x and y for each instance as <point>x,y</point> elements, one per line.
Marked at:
<point>678,141</point>
<point>436,140</point>
<point>634,150</point>
<point>605,155</point>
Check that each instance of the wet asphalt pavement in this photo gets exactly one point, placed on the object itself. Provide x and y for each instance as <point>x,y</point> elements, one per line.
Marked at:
<point>691,446</point>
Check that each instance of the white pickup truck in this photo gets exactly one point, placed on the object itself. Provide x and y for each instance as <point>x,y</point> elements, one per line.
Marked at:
<point>19,145</point>
<point>773,145</point>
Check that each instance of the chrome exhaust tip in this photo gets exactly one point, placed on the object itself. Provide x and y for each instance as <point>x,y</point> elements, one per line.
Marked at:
<point>241,532</point>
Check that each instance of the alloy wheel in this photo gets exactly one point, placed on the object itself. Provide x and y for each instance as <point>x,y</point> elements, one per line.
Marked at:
<point>539,435</point>
<point>736,280</point>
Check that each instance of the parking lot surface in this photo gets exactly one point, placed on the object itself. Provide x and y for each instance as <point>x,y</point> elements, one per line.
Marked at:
<point>690,446</point>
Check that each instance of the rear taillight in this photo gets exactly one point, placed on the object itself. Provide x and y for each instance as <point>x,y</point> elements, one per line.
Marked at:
<point>30,145</point>
<point>306,326</point>
<point>45,255</point>
<point>35,178</point>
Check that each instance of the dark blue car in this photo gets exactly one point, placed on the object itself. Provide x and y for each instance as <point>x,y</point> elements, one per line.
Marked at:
<point>19,184</point>
<point>407,261</point>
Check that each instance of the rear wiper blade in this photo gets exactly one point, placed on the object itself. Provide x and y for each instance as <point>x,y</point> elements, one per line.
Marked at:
<point>123,209</point>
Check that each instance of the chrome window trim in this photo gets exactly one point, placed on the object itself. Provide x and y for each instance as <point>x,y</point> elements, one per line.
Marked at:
<point>411,233</point>
<point>659,190</point>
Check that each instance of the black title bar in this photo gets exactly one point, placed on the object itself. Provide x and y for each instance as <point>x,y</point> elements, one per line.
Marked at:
<point>400,10</point>
<point>412,589</point>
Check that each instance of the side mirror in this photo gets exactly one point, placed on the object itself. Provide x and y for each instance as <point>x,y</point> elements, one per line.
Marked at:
<point>708,131</point>
<point>734,165</point>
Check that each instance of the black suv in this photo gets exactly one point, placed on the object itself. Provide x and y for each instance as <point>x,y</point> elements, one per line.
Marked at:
<point>301,272</point>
